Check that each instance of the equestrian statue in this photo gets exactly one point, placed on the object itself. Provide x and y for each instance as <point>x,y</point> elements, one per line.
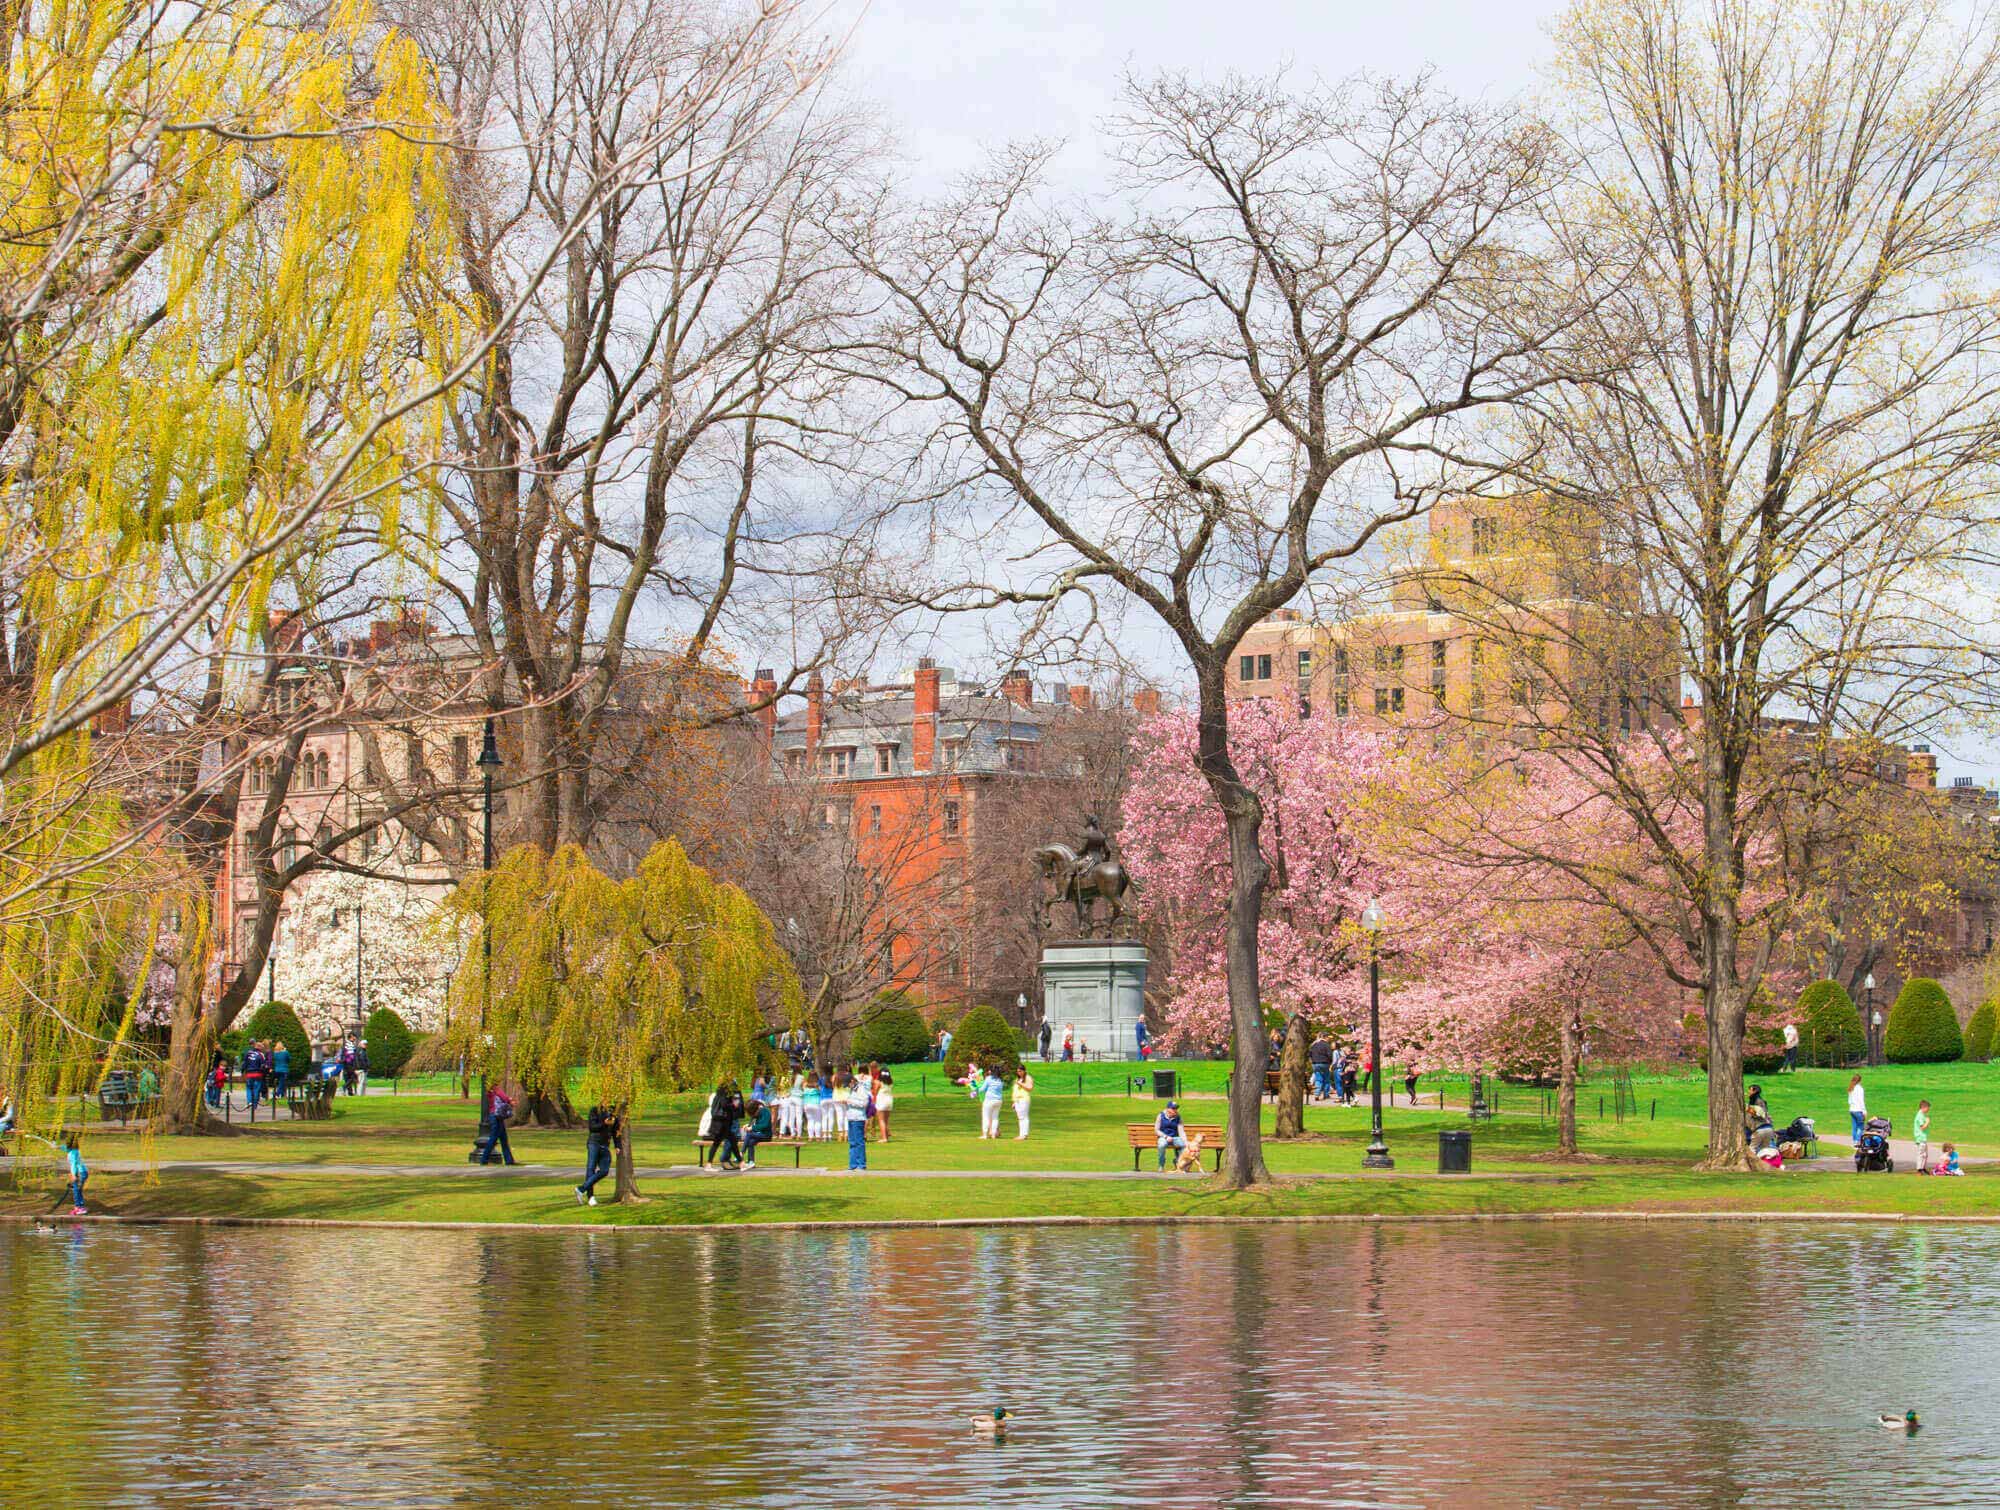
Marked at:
<point>1081,876</point>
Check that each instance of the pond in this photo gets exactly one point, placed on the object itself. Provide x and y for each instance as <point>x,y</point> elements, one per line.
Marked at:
<point>1672,1363</point>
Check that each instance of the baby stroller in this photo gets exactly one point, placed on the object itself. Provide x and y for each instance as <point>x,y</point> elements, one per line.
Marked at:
<point>1872,1151</point>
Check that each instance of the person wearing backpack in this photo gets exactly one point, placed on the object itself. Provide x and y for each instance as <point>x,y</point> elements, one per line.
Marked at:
<point>605,1125</point>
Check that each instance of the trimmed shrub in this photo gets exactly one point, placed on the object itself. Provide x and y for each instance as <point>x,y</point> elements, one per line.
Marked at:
<point>1830,1031</point>
<point>274,1023</point>
<point>1923,1028</point>
<point>390,1043</point>
<point>892,1033</point>
<point>983,1035</point>
<point>1979,1033</point>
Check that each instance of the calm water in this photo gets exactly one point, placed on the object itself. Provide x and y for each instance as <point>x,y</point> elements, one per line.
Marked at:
<point>1565,1365</point>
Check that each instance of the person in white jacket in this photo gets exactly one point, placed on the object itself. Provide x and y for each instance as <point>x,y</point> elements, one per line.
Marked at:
<point>1857,1106</point>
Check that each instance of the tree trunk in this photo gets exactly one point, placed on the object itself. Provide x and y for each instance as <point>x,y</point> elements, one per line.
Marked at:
<point>626,1189</point>
<point>190,1046</point>
<point>543,1110</point>
<point>1291,1117</point>
<point>1572,1032</point>
<point>1724,1004</point>
<point>1243,813</point>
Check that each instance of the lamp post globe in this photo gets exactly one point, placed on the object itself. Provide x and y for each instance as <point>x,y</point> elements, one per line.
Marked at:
<point>1373,920</point>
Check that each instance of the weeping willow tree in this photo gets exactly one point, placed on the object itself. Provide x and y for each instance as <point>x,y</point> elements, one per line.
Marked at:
<point>211,218</point>
<point>658,983</point>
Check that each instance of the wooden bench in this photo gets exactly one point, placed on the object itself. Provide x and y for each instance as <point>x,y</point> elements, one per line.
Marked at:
<point>311,1099</point>
<point>701,1148</point>
<point>118,1097</point>
<point>1145,1138</point>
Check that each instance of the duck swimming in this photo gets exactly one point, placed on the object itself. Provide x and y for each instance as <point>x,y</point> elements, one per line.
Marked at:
<point>994,1425</point>
<point>1905,1422</point>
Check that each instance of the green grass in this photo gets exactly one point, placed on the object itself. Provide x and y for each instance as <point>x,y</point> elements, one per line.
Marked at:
<point>1644,1163</point>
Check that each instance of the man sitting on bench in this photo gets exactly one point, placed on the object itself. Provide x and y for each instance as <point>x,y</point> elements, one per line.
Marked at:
<point>1167,1128</point>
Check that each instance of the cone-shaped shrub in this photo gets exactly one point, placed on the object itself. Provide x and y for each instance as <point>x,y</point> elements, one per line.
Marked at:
<point>982,1035</point>
<point>1923,1028</point>
<point>1830,1031</point>
<point>1979,1033</point>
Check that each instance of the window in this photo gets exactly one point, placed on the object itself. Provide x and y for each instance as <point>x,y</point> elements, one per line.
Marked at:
<point>413,757</point>
<point>840,762</point>
<point>1246,668</point>
<point>952,820</point>
<point>1305,706</point>
<point>1624,713</point>
<point>1388,701</point>
<point>1388,658</point>
<point>1485,536</point>
<point>461,757</point>
<point>288,848</point>
<point>1305,663</point>
<point>885,760</point>
<point>875,818</point>
<point>795,761</point>
<point>1340,661</point>
<point>1340,703</point>
<point>1263,668</point>
<point>1437,671</point>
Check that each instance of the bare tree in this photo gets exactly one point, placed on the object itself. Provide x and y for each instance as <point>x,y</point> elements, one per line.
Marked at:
<point>1282,341</point>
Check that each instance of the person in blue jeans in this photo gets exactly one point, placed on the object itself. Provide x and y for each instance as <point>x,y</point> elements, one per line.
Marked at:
<point>281,1070</point>
<point>1167,1129</point>
<point>1857,1106</point>
<point>857,1124</point>
<point>78,1174</point>
<point>499,1107</point>
<point>597,1153</point>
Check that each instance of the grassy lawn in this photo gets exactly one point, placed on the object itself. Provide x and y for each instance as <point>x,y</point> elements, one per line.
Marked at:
<point>1644,1162</point>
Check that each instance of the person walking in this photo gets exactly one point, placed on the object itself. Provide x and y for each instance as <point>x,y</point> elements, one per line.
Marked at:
<point>944,1045</point>
<point>1139,1031</point>
<point>253,1076</point>
<point>78,1174</point>
<point>990,1093</point>
<point>1046,1035</point>
<point>1320,1055</point>
<point>281,1070</point>
<point>361,1067</point>
<point>724,1109</point>
<point>1410,1083</point>
<point>1337,1074</point>
<point>347,1065</point>
<point>857,1125</point>
<point>493,1139</point>
<point>1920,1134</point>
<point>602,1136</point>
<point>1069,1042</point>
<point>1023,1089</point>
<point>1857,1106</point>
<point>1791,1064</point>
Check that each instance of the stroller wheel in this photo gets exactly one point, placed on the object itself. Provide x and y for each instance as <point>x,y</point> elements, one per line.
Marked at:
<point>1888,1166</point>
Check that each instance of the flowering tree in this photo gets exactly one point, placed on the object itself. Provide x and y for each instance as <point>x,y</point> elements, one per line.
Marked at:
<point>407,949</point>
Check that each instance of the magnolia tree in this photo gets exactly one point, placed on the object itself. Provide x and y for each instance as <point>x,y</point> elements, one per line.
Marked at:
<point>1483,956</point>
<point>405,951</point>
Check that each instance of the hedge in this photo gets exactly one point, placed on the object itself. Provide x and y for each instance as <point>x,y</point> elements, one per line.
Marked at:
<point>275,1020</point>
<point>983,1035</point>
<point>1923,1027</point>
<point>1830,1031</point>
<point>891,1033</point>
<point>1979,1033</point>
<point>390,1043</point>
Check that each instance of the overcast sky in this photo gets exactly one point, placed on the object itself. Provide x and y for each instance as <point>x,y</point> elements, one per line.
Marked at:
<point>955,77</point>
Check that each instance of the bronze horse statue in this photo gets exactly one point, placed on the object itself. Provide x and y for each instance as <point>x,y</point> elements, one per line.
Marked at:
<point>1082,885</point>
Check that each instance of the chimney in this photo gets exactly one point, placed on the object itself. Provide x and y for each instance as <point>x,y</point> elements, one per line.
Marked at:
<point>924,716</point>
<point>815,712</point>
<point>1146,703</point>
<point>1017,689</point>
<point>1080,699</point>
<point>764,690</point>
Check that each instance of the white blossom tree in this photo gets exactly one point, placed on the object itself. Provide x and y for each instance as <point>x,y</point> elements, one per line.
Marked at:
<point>407,952</point>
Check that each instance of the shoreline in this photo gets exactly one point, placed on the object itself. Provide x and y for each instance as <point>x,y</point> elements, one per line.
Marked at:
<point>904,1224</point>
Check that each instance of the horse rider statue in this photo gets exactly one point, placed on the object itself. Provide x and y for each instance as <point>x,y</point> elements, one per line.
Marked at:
<point>1082,876</point>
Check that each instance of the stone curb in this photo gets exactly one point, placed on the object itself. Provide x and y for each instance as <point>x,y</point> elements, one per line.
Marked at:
<point>1304,1219</point>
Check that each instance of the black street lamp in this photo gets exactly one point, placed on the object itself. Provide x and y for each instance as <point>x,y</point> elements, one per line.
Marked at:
<point>360,1016</point>
<point>489,762</point>
<point>1377,1156</point>
<point>271,963</point>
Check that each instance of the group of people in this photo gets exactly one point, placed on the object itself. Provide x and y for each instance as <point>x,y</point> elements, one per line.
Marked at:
<point>266,1068</point>
<point>1920,1129</point>
<point>988,1087</point>
<point>801,1107</point>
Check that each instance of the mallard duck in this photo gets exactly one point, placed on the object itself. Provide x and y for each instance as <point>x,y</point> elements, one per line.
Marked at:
<point>44,1229</point>
<point>1907,1421</point>
<point>994,1425</point>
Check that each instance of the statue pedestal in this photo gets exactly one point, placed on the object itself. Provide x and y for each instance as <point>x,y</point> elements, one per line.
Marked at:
<point>1098,987</point>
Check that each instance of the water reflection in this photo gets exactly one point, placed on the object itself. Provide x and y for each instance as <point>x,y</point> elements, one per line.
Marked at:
<point>1572,1363</point>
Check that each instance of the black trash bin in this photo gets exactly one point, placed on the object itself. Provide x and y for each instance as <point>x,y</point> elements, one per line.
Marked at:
<point>1455,1152</point>
<point>1166,1085</point>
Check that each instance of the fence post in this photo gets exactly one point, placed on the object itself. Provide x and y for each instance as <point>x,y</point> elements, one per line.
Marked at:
<point>1600,1108</point>
<point>1079,1085</point>
<point>1653,1115</point>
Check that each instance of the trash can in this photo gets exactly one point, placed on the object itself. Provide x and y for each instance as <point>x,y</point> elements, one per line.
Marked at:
<point>1166,1085</point>
<point>1455,1152</point>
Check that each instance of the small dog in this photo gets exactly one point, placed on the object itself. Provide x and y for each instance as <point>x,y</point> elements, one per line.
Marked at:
<point>1188,1160</point>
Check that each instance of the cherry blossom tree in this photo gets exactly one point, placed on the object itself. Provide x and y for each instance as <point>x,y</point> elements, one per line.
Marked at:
<point>408,951</point>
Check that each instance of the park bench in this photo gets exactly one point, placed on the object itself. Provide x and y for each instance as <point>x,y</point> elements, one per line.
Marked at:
<point>118,1097</point>
<point>311,1099</point>
<point>794,1144</point>
<point>1145,1138</point>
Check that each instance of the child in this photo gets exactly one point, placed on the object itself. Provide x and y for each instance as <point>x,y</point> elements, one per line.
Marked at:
<point>811,1101</point>
<point>1022,1088</point>
<point>1950,1164</point>
<point>77,1175</point>
<point>1921,1131</point>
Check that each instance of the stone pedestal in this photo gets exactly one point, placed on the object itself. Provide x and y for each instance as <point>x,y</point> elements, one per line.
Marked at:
<point>1098,987</point>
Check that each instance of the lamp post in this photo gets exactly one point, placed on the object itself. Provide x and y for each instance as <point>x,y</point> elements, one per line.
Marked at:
<point>360,1017</point>
<point>489,762</point>
<point>271,963</point>
<point>1377,1156</point>
<point>1868,985</point>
